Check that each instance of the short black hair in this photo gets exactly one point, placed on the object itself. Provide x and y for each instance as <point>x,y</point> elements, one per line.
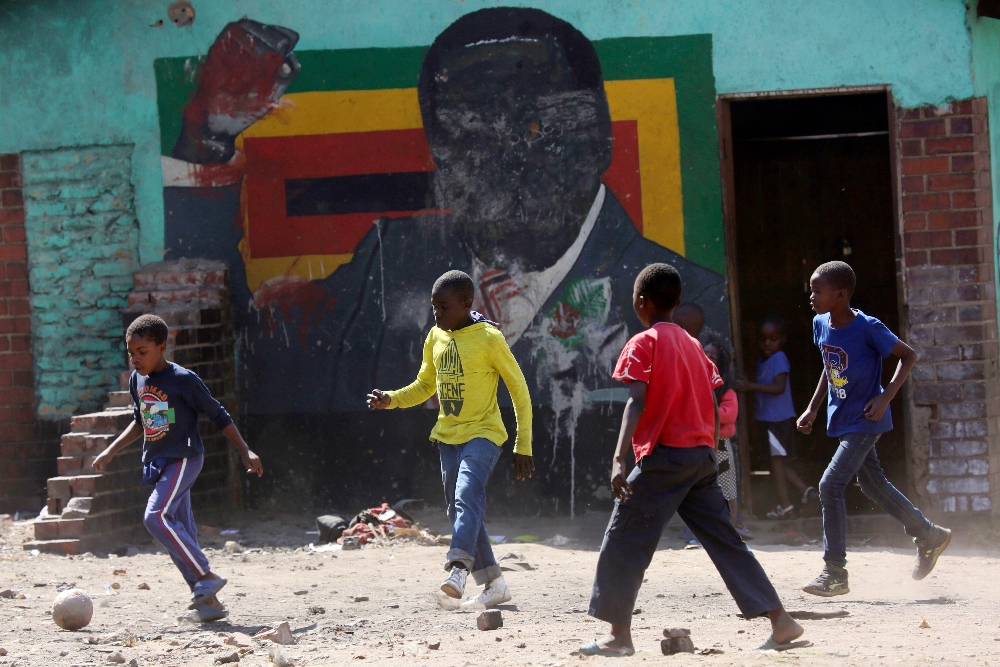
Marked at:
<point>150,327</point>
<point>777,320</point>
<point>458,281</point>
<point>661,284</point>
<point>838,274</point>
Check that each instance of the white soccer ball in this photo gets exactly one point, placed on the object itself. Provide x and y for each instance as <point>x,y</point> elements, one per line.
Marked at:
<point>72,609</point>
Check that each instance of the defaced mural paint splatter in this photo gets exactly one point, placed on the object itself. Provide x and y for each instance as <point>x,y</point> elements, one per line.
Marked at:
<point>515,158</point>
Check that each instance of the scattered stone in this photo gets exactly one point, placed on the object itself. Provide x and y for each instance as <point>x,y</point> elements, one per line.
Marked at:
<point>227,659</point>
<point>443,540</point>
<point>7,593</point>
<point>117,658</point>
<point>300,593</point>
<point>279,658</point>
<point>636,611</point>
<point>317,610</point>
<point>133,663</point>
<point>119,573</point>
<point>491,619</point>
<point>238,639</point>
<point>710,651</point>
<point>72,609</point>
<point>672,645</point>
<point>499,639</point>
<point>144,586</point>
<point>3,651</point>
<point>231,547</point>
<point>434,644</point>
<point>280,635</point>
<point>522,645</point>
<point>361,598</point>
<point>673,633</point>
<point>116,586</point>
<point>21,596</point>
<point>924,625</point>
<point>351,543</point>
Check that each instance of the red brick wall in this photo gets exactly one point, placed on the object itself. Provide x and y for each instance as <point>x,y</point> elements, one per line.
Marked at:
<point>950,298</point>
<point>24,461</point>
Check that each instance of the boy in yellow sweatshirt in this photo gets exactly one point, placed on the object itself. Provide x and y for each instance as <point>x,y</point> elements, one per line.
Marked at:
<point>465,355</point>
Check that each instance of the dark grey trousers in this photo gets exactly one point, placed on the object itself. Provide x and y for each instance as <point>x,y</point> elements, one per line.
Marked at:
<point>669,480</point>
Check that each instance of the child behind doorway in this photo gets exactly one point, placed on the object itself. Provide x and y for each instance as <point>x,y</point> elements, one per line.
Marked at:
<point>774,411</point>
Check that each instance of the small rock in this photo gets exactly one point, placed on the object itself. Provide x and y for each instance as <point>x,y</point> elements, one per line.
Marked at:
<point>144,586</point>
<point>239,640</point>
<point>434,644</point>
<point>676,632</point>
<point>116,586</point>
<point>231,547</point>
<point>490,620</point>
<point>924,625</point>
<point>317,610</point>
<point>636,611</point>
<point>361,598</point>
<point>280,635</point>
<point>499,639</point>
<point>3,651</point>
<point>133,663</point>
<point>672,645</point>
<point>227,659</point>
<point>522,645</point>
<point>117,658</point>
<point>300,593</point>
<point>119,573</point>
<point>7,593</point>
<point>279,658</point>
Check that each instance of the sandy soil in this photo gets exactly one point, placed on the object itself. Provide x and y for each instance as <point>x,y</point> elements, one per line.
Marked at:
<point>278,579</point>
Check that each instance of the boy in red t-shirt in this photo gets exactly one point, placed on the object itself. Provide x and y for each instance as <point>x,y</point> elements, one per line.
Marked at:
<point>676,470</point>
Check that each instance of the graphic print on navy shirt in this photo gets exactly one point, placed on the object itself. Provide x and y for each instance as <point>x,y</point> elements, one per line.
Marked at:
<point>156,413</point>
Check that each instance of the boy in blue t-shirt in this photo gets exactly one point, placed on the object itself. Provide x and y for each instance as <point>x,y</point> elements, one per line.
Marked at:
<point>853,346</point>
<point>167,400</point>
<point>774,410</point>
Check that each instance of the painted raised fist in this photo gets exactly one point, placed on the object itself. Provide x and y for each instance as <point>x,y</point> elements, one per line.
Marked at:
<point>246,71</point>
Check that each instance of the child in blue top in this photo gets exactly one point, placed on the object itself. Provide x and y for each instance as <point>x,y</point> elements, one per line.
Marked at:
<point>853,346</point>
<point>774,410</point>
<point>166,402</point>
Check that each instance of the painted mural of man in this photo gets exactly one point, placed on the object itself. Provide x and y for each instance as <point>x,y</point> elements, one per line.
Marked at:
<point>514,110</point>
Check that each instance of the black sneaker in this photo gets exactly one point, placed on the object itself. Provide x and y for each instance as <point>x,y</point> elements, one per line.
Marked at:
<point>928,550</point>
<point>831,581</point>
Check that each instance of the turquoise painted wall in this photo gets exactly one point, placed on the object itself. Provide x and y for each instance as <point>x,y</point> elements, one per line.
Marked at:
<point>80,72</point>
<point>985,34</point>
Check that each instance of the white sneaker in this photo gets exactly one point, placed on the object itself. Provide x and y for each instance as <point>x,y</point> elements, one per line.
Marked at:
<point>494,593</point>
<point>454,585</point>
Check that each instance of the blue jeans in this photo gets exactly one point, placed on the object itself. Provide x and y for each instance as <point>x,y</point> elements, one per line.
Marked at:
<point>465,469</point>
<point>856,456</point>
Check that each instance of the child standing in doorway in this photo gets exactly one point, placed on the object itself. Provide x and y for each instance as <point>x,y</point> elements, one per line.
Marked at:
<point>774,410</point>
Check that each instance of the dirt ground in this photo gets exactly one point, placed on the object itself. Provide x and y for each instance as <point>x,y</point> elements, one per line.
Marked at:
<point>277,578</point>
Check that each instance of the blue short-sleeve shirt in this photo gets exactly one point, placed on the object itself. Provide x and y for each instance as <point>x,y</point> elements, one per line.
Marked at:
<point>852,357</point>
<point>773,407</point>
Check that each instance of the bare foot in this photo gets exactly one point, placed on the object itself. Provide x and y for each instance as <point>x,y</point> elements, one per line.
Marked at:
<point>784,629</point>
<point>619,639</point>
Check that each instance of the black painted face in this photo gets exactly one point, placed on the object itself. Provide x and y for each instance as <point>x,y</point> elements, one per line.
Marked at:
<point>519,151</point>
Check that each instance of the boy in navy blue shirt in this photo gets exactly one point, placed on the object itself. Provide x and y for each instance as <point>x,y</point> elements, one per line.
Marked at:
<point>853,346</point>
<point>167,400</point>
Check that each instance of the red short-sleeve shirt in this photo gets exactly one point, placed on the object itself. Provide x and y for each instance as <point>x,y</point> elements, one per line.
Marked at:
<point>680,408</point>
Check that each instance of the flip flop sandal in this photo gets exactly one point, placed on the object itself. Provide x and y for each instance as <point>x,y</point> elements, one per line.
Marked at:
<point>771,645</point>
<point>593,649</point>
<point>204,590</point>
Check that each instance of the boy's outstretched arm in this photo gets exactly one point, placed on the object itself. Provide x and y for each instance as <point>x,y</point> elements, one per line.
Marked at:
<point>776,387</point>
<point>510,372</point>
<point>415,393</point>
<point>250,460</point>
<point>875,408</point>
<point>634,408</point>
<point>805,422</point>
<point>131,433</point>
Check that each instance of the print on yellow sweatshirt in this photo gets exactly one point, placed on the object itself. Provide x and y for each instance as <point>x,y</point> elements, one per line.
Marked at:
<point>464,367</point>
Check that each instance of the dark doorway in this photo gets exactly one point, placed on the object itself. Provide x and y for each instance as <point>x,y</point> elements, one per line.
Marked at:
<point>811,182</point>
